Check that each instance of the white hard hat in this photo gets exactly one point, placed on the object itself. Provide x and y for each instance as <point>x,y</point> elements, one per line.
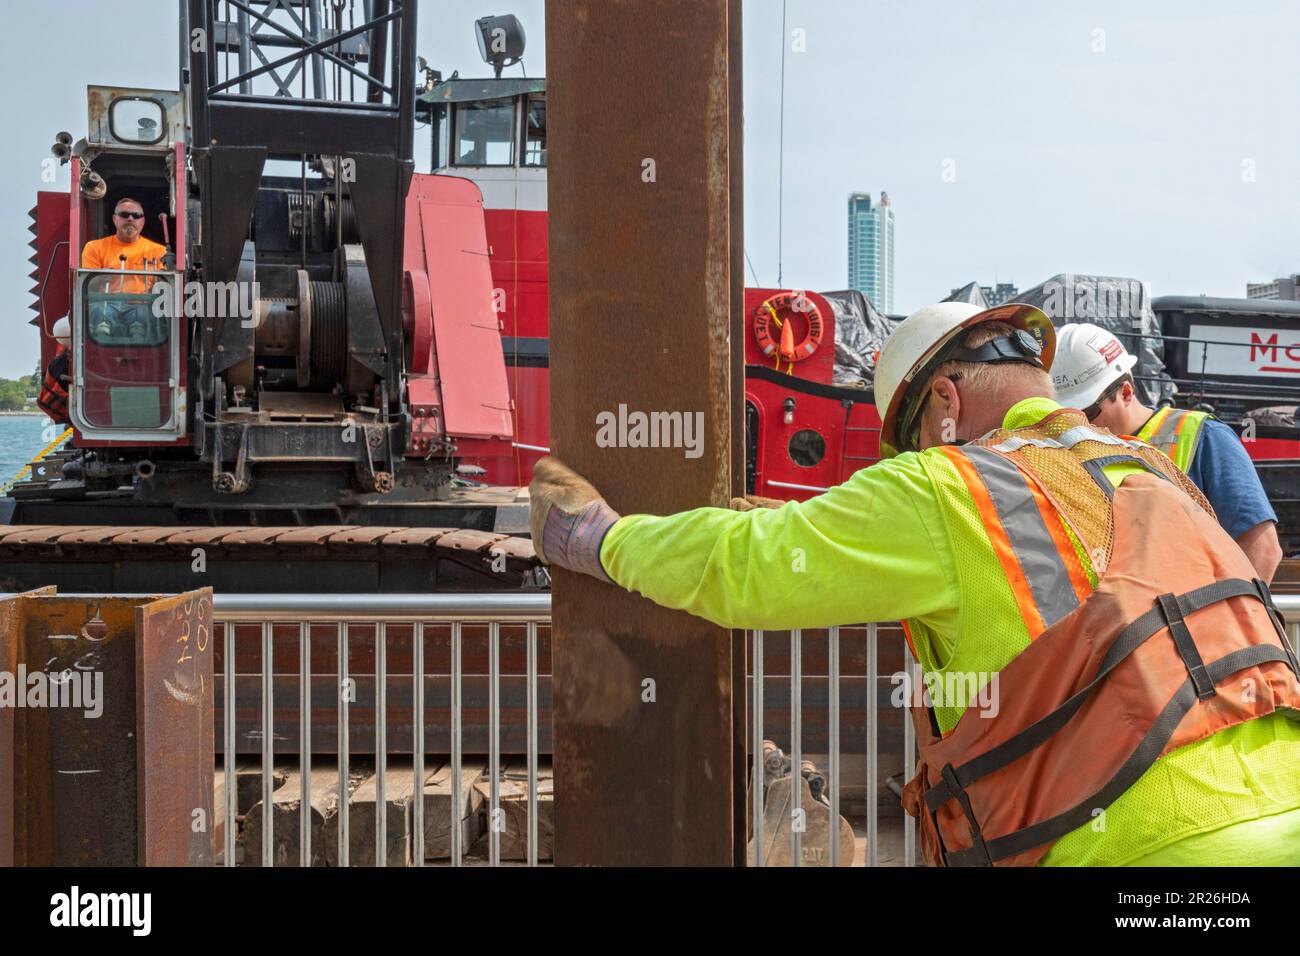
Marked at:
<point>1089,360</point>
<point>915,346</point>
<point>62,330</point>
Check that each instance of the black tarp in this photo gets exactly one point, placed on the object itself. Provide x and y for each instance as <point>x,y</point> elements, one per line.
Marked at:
<point>860,332</point>
<point>1119,304</point>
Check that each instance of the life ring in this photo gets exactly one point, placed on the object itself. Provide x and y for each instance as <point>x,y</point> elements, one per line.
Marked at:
<point>769,312</point>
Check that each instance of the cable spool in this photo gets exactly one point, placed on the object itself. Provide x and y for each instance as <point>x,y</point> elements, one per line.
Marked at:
<point>330,212</point>
<point>350,231</point>
<point>311,328</point>
<point>329,330</point>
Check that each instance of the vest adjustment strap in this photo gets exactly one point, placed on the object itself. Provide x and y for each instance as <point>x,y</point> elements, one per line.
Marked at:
<point>1172,610</point>
<point>1169,611</point>
<point>1129,640</point>
<point>978,854</point>
<point>1147,752</point>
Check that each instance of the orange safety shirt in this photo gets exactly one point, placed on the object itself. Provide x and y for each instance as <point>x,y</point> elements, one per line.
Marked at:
<point>104,254</point>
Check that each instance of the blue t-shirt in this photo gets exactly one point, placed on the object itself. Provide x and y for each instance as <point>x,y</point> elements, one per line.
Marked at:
<point>1226,475</point>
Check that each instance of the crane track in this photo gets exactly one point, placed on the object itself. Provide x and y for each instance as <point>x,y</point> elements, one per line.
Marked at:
<point>116,558</point>
<point>297,537</point>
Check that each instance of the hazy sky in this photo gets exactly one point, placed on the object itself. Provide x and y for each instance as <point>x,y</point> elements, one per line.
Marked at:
<point>1148,139</point>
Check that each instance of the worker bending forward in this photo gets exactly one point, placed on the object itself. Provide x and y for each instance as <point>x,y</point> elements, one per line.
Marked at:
<point>1093,371</point>
<point>1146,707</point>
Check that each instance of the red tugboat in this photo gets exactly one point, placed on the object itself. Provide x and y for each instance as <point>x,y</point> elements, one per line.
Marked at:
<point>805,433</point>
<point>809,357</point>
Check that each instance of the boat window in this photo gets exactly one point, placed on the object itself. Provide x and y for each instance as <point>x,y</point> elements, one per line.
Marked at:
<point>485,133</point>
<point>535,130</point>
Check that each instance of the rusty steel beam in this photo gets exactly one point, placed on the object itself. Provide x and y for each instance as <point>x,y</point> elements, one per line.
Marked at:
<point>644,111</point>
<point>174,691</point>
<point>8,665</point>
<point>83,772</point>
<point>740,723</point>
<point>10,616</point>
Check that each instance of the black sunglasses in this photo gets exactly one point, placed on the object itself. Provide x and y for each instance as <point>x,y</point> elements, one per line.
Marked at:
<point>911,432</point>
<point>129,215</point>
<point>1093,410</point>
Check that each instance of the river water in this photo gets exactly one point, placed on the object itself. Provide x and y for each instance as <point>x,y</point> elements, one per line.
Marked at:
<point>21,438</point>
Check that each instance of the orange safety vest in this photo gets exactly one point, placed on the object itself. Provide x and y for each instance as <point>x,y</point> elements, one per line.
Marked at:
<point>53,399</point>
<point>1178,641</point>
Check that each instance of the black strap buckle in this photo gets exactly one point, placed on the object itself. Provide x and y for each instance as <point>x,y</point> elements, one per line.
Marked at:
<point>1172,608</point>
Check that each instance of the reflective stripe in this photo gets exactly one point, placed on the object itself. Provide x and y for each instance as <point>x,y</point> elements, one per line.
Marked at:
<point>1064,545</point>
<point>1068,439</point>
<point>1167,431</point>
<point>1026,605</point>
<point>1016,442</point>
<point>1078,433</point>
<point>1188,437</point>
<point>1034,547</point>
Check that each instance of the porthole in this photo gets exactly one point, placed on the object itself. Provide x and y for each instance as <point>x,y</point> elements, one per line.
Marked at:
<point>807,448</point>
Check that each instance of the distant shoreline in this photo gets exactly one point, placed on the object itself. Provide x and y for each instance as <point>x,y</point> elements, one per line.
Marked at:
<point>23,414</point>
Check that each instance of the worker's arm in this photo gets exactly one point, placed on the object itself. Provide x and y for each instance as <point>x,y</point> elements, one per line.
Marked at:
<point>871,549</point>
<point>1227,476</point>
<point>1263,548</point>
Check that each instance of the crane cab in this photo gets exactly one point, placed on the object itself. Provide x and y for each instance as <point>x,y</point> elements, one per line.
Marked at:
<point>128,335</point>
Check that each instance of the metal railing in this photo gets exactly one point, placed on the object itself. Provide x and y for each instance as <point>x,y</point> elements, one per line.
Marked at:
<point>1288,605</point>
<point>530,609</point>
<point>381,610</point>
<point>834,756</point>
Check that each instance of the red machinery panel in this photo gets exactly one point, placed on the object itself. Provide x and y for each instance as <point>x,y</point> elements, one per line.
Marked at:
<point>50,266</point>
<point>457,365</point>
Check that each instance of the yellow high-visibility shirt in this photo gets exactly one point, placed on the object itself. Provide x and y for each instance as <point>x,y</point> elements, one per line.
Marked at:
<point>877,548</point>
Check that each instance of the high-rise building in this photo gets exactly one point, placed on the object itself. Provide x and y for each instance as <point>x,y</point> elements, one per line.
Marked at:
<point>1285,287</point>
<point>995,295</point>
<point>871,249</point>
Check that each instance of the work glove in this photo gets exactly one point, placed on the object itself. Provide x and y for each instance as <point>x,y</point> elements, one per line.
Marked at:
<point>568,518</point>
<point>750,502</point>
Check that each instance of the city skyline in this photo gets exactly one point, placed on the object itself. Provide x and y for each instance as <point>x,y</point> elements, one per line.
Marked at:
<point>1134,125</point>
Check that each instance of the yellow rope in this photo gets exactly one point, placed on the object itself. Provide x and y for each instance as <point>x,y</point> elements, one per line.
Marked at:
<point>44,451</point>
<point>777,319</point>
